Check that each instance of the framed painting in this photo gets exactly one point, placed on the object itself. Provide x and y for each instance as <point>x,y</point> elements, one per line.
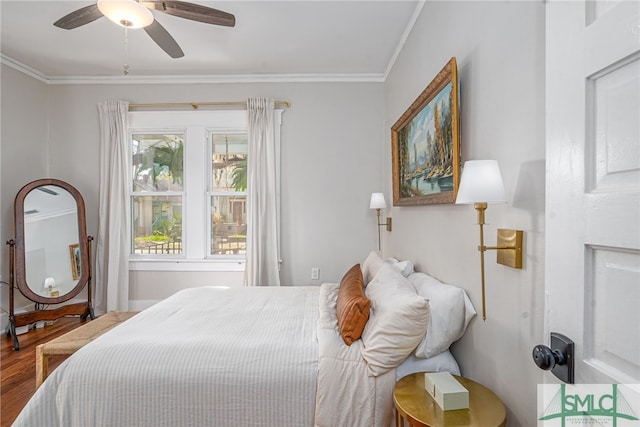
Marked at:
<point>426,144</point>
<point>74,255</point>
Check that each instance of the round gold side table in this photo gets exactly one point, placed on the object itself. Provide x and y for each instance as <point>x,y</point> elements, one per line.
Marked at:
<point>414,404</point>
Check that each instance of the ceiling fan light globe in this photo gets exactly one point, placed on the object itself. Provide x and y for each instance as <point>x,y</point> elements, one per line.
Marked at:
<point>126,13</point>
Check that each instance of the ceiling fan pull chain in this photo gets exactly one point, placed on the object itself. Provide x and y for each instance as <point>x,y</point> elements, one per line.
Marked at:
<point>126,51</point>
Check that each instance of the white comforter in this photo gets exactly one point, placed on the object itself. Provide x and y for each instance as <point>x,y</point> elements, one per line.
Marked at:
<point>216,356</point>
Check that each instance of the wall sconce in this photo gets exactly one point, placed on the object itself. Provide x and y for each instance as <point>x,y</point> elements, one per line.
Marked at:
<point>377,202</point>
<point>480,184</point>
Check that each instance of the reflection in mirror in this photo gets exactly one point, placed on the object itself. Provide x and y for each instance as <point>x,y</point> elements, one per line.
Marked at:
<point>52,258</point>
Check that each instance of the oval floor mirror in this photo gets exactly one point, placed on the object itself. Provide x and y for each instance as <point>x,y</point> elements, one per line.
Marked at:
<point>50,257</point>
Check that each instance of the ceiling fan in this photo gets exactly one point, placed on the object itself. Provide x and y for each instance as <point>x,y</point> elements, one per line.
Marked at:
<point>134,14</point>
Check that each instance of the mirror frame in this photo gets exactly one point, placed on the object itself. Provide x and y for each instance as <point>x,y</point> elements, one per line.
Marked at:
<point>21,277</point>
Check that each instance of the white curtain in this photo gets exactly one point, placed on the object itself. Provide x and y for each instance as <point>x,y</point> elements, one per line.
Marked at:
<point>262,268</point>
<point>112,248</point>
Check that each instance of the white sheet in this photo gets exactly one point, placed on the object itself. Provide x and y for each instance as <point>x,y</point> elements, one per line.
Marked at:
<point>170,365</point>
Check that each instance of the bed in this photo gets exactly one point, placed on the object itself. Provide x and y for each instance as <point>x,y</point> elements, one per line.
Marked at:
<point>222,356</point>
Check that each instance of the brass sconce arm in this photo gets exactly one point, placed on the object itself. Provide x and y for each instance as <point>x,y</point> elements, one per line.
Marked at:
<point>509,248</point>
<point>380,224</point>
<point>387,224</point>
<point>491,248</point>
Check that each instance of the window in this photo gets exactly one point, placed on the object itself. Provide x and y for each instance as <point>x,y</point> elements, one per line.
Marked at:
<point>228,193</point>
<point>188,189</point>
<point>157,194</point>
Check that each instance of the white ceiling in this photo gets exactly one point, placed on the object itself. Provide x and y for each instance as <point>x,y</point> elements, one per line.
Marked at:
<point>296,39</point>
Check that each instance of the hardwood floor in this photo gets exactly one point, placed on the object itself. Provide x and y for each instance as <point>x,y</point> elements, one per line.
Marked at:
<point>18,368</point>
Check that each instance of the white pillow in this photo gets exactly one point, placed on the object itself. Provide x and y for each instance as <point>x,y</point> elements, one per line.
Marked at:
<point>405,267</point>
<point>370,266</point>
<point>451,312</point>
<point>398,321</point>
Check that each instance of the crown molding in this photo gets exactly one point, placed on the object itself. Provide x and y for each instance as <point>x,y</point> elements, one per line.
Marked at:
<point>18,66</point>
<point>220,78</point>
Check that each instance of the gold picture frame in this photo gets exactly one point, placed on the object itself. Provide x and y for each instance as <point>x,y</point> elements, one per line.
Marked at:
<point>74,256</point>
<point>426,144</point>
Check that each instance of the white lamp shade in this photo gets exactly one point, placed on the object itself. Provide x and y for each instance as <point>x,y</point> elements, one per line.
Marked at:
<point>377,201</point>
<point>49,282</point>
<point>481,182</point>
<point>126,13</point>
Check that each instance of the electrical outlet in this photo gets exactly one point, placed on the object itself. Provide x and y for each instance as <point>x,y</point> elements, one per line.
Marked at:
<point>315,273</point>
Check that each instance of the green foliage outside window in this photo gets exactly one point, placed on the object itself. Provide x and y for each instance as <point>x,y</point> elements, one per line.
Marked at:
<point>239,175</point>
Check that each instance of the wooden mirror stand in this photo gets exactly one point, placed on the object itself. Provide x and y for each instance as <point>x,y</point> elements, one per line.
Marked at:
<point>53,262</point>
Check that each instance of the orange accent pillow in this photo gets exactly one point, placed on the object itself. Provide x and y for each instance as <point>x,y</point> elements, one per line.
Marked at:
<point>352,307</point>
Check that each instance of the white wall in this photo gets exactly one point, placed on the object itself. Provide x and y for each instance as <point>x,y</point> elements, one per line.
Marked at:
<point>330,166</point>
<point>499,47</point>
<point>23,155</point>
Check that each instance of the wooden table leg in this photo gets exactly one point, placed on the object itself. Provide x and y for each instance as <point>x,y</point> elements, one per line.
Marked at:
<point>42,366</point>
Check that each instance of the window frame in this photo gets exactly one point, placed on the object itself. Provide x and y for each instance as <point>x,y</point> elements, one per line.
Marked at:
<point>196,226</point>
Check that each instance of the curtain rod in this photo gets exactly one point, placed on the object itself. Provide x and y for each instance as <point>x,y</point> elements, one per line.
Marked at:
<point>196,105</point>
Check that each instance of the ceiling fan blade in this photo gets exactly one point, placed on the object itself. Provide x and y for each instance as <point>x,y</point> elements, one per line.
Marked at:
<point>194,12</point>
<point>79,17</point>
<point>164,39</point>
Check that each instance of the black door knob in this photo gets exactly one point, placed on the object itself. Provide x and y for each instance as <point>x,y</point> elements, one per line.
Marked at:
<point>546,358</point>
<point>559,358</point>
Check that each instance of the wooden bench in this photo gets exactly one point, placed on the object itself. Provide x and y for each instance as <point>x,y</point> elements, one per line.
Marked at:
<point>72,341</point>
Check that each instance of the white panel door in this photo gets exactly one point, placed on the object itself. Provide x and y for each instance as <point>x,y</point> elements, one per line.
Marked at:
<point>592,254</point>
